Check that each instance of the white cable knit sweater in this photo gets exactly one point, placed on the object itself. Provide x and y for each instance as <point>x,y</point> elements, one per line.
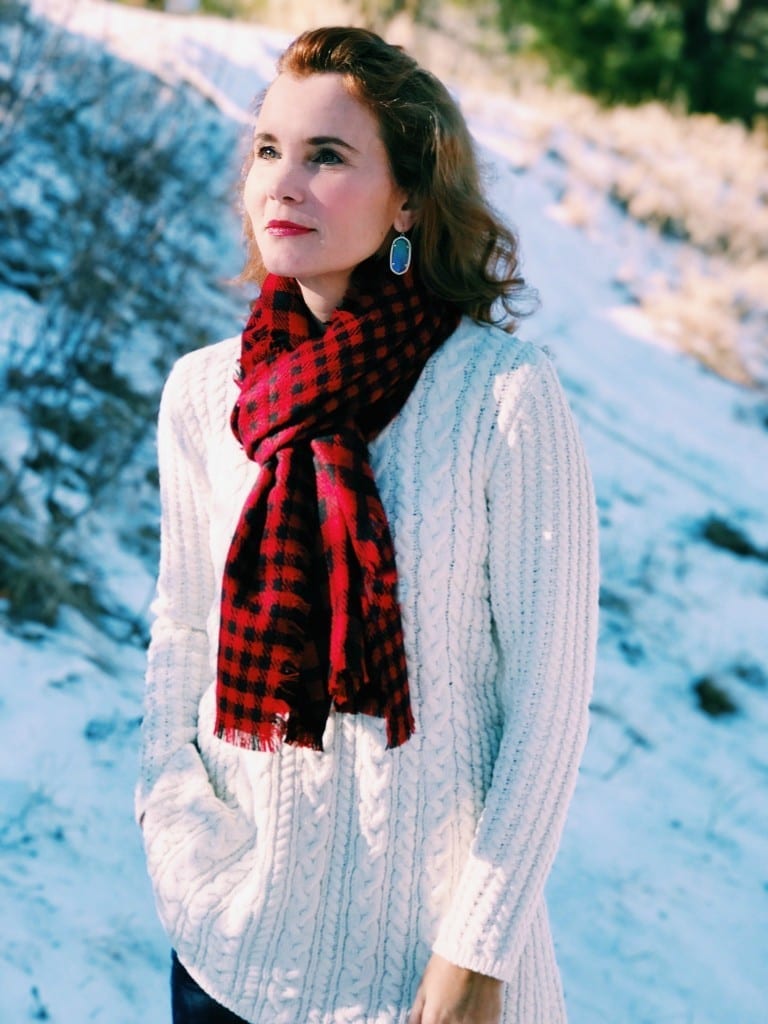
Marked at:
<point>308,888</point>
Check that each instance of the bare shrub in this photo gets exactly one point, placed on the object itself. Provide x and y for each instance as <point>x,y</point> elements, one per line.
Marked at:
<point>116,221</point>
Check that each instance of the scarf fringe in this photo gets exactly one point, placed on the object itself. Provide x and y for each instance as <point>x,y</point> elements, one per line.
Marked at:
<point>266,738</point>
<point>269,739</point>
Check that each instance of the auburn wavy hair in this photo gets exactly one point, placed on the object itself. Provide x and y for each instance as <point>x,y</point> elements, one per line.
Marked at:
<point>463,251</point>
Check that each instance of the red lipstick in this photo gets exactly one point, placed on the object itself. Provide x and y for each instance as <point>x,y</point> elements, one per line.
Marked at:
<point>284,228</point>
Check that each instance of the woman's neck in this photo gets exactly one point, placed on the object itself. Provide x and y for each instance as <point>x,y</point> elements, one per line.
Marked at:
<point>322,302</point>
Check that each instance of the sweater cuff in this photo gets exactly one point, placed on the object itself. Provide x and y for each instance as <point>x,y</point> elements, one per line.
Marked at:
<point>471,933</point>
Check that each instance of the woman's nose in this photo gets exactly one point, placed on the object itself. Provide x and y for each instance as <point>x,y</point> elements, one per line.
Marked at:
<point>286,185</point>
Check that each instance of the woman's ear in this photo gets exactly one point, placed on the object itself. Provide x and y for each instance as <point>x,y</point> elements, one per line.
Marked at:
<point>405,218</point>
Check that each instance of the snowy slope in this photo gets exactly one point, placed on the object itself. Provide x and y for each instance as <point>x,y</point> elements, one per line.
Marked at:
<point>659,898</point>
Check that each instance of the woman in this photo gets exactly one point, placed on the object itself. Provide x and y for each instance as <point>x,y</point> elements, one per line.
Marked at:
<point>375,624</point>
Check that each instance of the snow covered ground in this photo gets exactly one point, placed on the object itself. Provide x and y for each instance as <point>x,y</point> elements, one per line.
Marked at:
<point>659,898</point>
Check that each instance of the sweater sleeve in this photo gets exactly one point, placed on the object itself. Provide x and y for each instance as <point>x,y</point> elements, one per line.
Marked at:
<point>178,662</point>
<point>543,586</point>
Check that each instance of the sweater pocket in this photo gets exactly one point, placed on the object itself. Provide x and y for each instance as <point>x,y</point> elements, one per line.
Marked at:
<point>198,848</point>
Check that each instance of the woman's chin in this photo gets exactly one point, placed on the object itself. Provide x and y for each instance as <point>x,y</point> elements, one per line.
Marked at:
<point>282,267</point>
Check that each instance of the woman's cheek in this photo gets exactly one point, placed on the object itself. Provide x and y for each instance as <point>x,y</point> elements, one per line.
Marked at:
<point>251,192</point>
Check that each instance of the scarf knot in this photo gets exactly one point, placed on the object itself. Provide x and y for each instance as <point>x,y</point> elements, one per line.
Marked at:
<point>309,611</point>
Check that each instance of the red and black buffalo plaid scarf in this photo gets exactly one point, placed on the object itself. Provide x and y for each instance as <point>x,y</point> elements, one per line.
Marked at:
<point>309,613</point>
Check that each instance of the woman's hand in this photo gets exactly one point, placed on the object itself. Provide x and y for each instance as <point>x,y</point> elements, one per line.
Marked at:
<point>454,995</point>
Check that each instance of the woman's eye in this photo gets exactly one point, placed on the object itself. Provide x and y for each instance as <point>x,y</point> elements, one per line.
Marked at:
<point>327,156</point>
<point>266,152</point>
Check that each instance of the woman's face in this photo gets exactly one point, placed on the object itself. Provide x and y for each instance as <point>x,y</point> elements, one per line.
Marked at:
<point>320,194</point>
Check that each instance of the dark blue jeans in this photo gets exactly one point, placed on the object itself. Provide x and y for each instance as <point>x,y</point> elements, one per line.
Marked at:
<point>191,1005</point>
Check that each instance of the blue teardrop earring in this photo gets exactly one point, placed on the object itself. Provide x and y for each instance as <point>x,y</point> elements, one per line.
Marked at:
<point>400,255</point>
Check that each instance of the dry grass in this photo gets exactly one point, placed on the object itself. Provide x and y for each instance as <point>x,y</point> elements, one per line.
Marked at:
<point>706,183</point>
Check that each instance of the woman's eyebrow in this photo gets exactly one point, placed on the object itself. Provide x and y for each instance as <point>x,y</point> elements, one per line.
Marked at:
<point>315,140</point>
<point>332,140</point>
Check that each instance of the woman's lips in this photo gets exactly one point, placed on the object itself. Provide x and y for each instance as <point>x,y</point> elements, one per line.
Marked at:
<point>282,228</point>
